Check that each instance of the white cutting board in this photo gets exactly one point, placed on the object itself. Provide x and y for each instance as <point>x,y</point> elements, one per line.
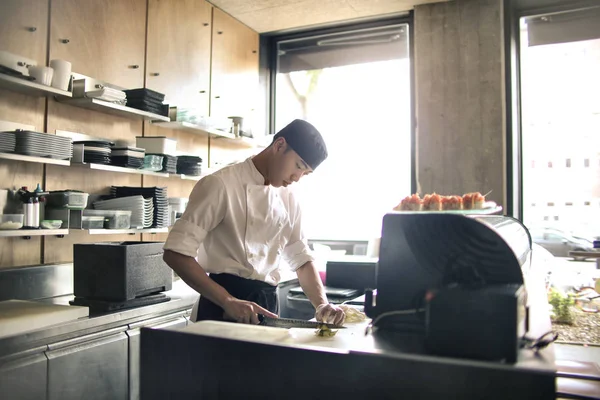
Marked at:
<point>351,338</point>
<point>20,316</point>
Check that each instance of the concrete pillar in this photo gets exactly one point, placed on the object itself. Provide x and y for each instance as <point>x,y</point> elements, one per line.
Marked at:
<point>460,107</point>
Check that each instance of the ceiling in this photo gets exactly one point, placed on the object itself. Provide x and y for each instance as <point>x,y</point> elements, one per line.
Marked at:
<point>280,15</point>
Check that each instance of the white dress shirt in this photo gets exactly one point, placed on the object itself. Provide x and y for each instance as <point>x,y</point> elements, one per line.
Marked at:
<point>235,224</point>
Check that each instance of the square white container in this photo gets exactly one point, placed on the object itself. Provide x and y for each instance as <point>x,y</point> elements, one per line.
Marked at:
<point>157,145</point>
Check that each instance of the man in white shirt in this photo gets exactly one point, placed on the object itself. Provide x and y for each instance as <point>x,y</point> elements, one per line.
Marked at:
<point>240,222</point>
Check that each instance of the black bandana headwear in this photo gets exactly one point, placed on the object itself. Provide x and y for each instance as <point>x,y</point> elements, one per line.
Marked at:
<point>305,140</point>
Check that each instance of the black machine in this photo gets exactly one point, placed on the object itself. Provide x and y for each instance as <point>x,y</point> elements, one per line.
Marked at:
<point>457,279</point>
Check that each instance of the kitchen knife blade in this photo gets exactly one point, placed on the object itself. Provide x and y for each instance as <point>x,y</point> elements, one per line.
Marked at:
<point>294,323</point>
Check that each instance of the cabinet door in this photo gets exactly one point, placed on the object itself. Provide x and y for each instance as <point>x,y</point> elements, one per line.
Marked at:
<point>23,28</point>
<point>178,59</point>
<point>134,352</point>
<point>234,84</point>
<point>24,376</point>
<point>103,39</point>
<point>89,369</point>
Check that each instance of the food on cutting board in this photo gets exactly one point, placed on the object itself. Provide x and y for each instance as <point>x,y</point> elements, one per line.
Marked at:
<point>437,202</point>
<point>324,331</point>
<point>352,314</point>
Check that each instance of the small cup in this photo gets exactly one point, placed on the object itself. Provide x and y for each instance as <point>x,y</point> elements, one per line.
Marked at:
<point>62,74</point>
<point>42,75</point>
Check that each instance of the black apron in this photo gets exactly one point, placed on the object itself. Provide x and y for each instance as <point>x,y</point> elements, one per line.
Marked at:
<point>261,293</point>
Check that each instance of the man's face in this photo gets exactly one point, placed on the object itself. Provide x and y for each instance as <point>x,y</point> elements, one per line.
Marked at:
<point>287,167</point>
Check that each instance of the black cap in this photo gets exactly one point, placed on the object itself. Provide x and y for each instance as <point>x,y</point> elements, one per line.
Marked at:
<point>305,140</point>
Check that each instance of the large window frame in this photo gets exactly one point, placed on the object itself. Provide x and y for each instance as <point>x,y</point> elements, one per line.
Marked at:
<point>514,10</point>
<point>269,57</point>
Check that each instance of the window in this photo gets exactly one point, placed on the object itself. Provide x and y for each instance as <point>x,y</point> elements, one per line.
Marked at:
<point>355,87</point>
<point>560,110</point>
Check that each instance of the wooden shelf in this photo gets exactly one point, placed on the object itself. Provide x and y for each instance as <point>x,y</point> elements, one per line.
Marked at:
<point>113,168</point>
<point>213,133</point>
<point>33,232</point>
<point>41,160</point>
<point>126,231</point>
<point>23,86</point>
<point>112,109</point>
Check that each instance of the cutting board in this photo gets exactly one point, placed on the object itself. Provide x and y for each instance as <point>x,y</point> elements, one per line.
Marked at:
<point>352,338</point>
<point>20,316</point>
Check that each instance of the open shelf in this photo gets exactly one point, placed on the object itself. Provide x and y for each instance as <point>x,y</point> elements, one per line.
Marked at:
<point>29,88</point>
<point>213,133</point>
<point>41,160</point>
<point>112,108</point>
<point>33,232</point>
<point>126,231</point>
<point>113,168</point>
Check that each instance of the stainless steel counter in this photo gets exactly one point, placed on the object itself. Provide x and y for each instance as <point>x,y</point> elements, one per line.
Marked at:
<point>182,300</point>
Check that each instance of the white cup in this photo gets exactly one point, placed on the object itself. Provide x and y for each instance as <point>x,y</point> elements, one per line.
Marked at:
<point>62,74</point>
<point>43,75</point>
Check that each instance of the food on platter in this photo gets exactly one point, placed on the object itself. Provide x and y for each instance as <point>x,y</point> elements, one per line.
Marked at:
<point>437,202</point>
<point>409,203</point>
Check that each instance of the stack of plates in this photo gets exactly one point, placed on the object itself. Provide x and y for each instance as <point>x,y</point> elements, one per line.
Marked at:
<point>160,201</point>
<point>108,94</point>
<point>7,142</point>
<point>96,151</point>
<point>169,164</point>
<point>43,145</point>
<point>142,210</point>
<point>189,165</point>
<point>129,157</point>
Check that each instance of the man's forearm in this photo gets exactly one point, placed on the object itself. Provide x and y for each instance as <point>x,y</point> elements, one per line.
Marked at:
<point>311,284</point>
<point>194,275</point>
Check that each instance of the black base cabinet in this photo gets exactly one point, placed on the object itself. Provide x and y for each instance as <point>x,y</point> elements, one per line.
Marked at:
<point>23,376</point>
<point>92,367</point>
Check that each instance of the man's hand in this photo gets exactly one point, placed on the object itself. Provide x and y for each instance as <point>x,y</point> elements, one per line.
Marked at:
<point>245,312</point>
<point>329,313</point>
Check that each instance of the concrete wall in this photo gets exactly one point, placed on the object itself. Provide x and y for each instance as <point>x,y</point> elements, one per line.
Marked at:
<point>460,106</point>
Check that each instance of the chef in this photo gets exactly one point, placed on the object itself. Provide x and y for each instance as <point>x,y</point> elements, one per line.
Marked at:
<point>241,222</point>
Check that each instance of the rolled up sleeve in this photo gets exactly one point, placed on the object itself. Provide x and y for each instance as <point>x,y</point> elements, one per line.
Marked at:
<point>297,252</point>
<point>205,210</point>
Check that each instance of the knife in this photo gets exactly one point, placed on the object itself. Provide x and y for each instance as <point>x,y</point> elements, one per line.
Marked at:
<point>294,323</point>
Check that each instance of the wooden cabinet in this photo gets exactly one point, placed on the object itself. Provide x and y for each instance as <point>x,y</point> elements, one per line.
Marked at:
<point>178,58</point>
<point>23,32</point>
<point>23,28</point>
<point>234,84</point>
<point>103,39</point>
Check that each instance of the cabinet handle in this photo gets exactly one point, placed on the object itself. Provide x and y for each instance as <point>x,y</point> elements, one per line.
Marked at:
<point>205,24</point>
<point>217,97</point>
<point>202,91</point>
<point>253,51</point>
<point>155,74</point>
<point>219,32</point>
<point>65,41</point>
<point>135,66</point>
<point>32,29</point>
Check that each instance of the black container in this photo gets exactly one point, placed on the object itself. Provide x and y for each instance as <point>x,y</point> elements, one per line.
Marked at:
<point>120,271</point>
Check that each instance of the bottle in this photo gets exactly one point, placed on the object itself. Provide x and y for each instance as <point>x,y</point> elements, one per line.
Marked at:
<point>36,211</point>
<point>42,203</point>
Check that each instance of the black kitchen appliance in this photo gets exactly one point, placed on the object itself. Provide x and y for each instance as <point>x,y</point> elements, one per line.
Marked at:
<point>457,279</point>
<point>119,275</point>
